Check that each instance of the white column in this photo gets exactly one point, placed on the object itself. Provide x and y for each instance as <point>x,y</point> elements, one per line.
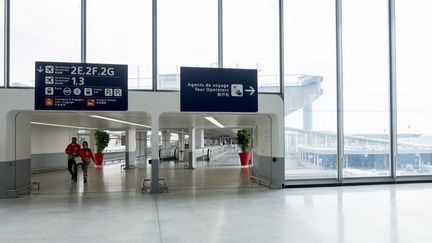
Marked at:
<point>199,138</point>
<point>166,136</point>
<point>15,162</point>
<point>138,137</point>
<point>144,147</point>
<point>130,148</point>
<point>182,139</point>
<point>92,142</point>
<point>192,160</point>
<point>155,154</point>
<point>181,150</point>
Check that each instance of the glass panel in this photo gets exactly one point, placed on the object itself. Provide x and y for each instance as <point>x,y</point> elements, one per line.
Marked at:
<point>414,105</point>
<point>187,36</point>
<point>2,83</point>
<point>366,88</point>
<point>310,89</point>
<point>251,39</point>
<point>120,32</point>
<point>42,30</point>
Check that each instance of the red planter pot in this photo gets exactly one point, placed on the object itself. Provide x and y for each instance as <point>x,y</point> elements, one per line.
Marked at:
<point>99,159</point>
<point>244,158</point>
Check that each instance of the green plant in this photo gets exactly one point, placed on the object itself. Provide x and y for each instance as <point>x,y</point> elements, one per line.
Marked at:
<point>244,139</point>
<point>102,139</point>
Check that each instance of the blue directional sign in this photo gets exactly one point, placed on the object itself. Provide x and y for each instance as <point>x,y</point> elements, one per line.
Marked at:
<point>81,86</point>
<point>218,90</point>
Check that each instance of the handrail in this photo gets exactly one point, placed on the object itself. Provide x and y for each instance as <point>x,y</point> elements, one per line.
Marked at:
<point>213,152</point>
<point>260,180</point>
<point>166,154</point>
<point>29,188</point>
<point>254,177</point>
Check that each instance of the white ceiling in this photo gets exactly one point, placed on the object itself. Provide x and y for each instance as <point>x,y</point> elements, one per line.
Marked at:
<point>167,121</point>
<point>83,119</point>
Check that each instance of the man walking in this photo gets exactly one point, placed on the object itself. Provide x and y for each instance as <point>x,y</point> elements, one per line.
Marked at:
<point>72,150</point>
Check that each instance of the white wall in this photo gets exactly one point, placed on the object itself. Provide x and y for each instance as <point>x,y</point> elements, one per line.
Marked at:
<point>263,137</point>
<point>273,106</point>
<point>14,101</point>
<point>45,139</point>
<point>138,102</point>
<point>19,135</point>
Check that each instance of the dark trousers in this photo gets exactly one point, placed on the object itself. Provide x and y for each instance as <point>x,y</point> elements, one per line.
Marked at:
<point>72,163</point>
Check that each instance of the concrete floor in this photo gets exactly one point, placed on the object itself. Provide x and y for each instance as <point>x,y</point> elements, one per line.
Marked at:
<point>214,203</point>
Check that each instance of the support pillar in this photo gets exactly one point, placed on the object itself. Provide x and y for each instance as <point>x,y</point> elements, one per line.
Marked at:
<point>15,162</point>
<point>143,146</point>
<point>166,136</point>
<point>182,140</point>
<point>307,117</point>
<point>130,149</point>
<point>181,150</point>
<point>199,139</point>
<point>155,188</point>
<point>192,142</point>
<point>92,141</point>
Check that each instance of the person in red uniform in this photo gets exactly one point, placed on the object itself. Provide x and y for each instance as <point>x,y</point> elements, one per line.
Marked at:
<point>86,154</point>
<point>72,150</point>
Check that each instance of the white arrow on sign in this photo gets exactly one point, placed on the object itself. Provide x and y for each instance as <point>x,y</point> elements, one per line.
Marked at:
<point>250,90</point>
<point>40,69</point>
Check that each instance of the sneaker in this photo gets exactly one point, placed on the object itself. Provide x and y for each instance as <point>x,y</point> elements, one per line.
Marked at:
<point>73,177</point>
<point>85,180</point>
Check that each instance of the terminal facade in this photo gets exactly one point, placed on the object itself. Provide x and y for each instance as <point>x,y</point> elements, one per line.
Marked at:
<point>342,93</point>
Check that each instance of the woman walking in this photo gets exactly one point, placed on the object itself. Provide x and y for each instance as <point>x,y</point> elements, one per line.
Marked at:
<point>86,154</point>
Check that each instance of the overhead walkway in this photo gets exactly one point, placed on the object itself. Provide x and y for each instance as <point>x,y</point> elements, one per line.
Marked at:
<point>299,91</point>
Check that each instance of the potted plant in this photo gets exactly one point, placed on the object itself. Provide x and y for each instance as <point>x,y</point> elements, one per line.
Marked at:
<point>102,139</point>
<point>244,139</point>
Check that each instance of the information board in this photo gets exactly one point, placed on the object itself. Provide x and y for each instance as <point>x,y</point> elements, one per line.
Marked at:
<point>81,86</point>
<point>218,90</point>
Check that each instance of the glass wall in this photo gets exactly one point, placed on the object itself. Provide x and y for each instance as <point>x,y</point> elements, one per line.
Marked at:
<point>251,39</point>
<point>42,30</point>
<point>187,36</point>
<point>310,89</point>
<point>414,100</point>
<point>365,88</point>
<point>122,34</point>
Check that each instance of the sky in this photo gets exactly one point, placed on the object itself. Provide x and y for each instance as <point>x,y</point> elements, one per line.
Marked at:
<point>310,48</point>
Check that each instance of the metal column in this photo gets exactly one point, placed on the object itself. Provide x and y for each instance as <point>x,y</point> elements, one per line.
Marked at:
<point>6,42</point>
<point>220,34</point>
<point>393,94</point>
<point>83,31</point>
<point>154,45</point>
<point>339,80</point>
<point>281,50</point>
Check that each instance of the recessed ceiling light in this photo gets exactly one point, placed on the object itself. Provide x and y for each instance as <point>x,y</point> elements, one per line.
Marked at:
<point>214,121</point>
<point>62,125</point>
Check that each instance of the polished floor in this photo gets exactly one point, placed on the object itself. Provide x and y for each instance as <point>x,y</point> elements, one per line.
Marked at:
<point>213,203</point>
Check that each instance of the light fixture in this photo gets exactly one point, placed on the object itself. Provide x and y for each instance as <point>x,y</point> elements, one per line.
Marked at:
<point>62,125</point>
<point>214,121</point>
<point>120,121</point>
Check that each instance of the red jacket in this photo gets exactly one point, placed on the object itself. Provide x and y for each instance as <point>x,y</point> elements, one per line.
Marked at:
<point>73,148</point>
<point>86,154</point>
